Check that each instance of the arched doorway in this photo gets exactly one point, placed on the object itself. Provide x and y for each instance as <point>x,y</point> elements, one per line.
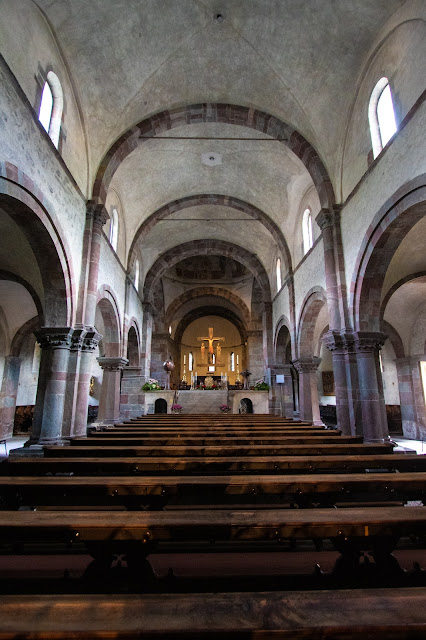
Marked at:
<point>246,406</point>
<point>160,406</point>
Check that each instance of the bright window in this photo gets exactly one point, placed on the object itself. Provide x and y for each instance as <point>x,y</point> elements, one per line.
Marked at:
<point>232,361</point>
<point>137,273</point>
<point>190,361</point>
<point>381,116</point>
<point>307,232</point>
<point>278,274</point>
<point>113,229</point>
<point>423,375</point>
<point>51,107</point>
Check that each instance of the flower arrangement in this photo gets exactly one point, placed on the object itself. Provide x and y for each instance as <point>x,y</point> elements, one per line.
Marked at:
<point>176,408</point>
<point>225,408</point>
<point>151,385</point>
<point>261,386</point>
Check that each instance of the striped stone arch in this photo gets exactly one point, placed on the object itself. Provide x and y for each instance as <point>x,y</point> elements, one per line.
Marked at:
<point>199,292</point>
<point>206,247</point>
<point>208,310</point>
<point>283,323</point>
<point>107,305</point>
<point>215,200</point>
<point>314,301</point>
<point>214,112</point>
<point>391,224</point>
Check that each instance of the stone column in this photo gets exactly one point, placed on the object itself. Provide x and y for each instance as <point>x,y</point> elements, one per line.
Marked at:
<point>8,393</point>
<point>88,343</point>
<point>147,322</point>
<point>131,383</point>
<point>326,220</point>
<point>371,397</point>
<point>255,362</point>
<point>99,216</point>
<point>284,404</point>
<point>308,389</point>
<point>55,346</point>
<point>268,356</point>
<point>109,404</point>
<point>411,397</point>
<point>341,345</point>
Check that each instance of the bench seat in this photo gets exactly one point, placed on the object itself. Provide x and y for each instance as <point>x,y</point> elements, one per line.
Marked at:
<point>203,441</point>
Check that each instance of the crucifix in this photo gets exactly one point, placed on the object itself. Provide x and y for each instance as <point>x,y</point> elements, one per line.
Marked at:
<point>211,339</point>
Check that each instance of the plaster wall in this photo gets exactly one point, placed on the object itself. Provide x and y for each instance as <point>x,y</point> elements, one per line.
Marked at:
<point>30,49</point>
<point>112,275</point>
<point>281,305</point>
<point>26,146</point>
<point>389,374</point>
<point>402,160</point>
<point>309,273</point>
<point>28,375</point>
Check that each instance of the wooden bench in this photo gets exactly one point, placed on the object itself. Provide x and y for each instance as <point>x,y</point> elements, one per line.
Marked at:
<point>228,450</point>
<point>204,441</point>
<point>158,491</point>
<point>363,614</point>
<point>198,465</point>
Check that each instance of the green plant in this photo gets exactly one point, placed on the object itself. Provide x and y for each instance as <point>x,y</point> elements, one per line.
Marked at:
<point>261,386</point>
<point>151,385</point>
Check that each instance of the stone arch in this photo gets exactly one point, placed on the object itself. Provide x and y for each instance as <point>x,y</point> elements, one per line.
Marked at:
<point>395,339</point>
<point>29,327</point>
<point>210,311</point>
<point>214,112</point>
<point>395,287</point>
<point>217,200</point>
<point>282,338</point>
<point>390,225</point>
<point>7,275</point>
<point>314,301</point>
<point>199,292</point>
<point>203,247</point>
<point>133,351</point>
<point>27,207</point>
<point>108,308</point>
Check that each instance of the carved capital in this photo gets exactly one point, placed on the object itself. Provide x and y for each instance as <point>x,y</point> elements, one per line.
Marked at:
<point>112,364</point>
<point>339,341</point>
<point>96,212</point>
<point>91,339</point>
<point>306,365</point>
<point>328,217</point>
<point>369,341</point>
<point>54,337</point>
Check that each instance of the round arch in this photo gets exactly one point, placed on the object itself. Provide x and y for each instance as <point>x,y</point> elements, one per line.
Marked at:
<point>281,339</point>
<point>111,333</point>
<point>206,247</point>
<point>312,305</point>
<point>217,292</point>
<point>391,224</point>
<point>214,112</point>
<point>216,200</point>
<point>200,312</point>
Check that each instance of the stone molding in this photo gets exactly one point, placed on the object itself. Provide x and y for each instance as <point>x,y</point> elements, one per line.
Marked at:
<point>369,341</point>
<point>306,365</point>
<point>328,217</point>
<point>339,341</point>
<point>54,337</point>
<point>112,364</point>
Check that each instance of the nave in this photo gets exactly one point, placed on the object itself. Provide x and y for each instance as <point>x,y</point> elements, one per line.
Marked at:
<point>172,526</point>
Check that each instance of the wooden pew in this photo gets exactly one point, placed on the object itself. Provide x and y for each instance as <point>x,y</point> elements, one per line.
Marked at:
<point>204,441</point>
<point>224,450</point>
<point>362,614</point>
<point>96,465</point>
<point>131,492</point>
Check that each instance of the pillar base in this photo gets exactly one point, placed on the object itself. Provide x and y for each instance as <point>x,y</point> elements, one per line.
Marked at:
<point>54,442</point>
<point>33,451</point>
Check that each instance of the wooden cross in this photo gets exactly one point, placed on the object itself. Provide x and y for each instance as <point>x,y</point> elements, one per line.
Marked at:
<point>210,339</point>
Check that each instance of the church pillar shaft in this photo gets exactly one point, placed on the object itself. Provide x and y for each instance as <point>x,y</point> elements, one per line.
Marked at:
<point>371,397</point>
<point>326,220</point>
<point>8,393</point>
<point>255,355</point>
<point>341,345</point>
<point>87,346</point>
<point>99,217</point>
<point>109,403</point>
<point>146,345</point>
<point>50,402</point>
<point>283,392</point>
<point>308,389</point>
<point>413,413</point>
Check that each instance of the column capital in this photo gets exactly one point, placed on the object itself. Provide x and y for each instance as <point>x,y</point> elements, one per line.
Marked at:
<point>54,337</point>
<point>111,364</point>
<point>97,212</point>
<point>306,365</point>
<point>328,217</point>
<point>148,307</point>
<point>339,340</point>
<point>369,341</point>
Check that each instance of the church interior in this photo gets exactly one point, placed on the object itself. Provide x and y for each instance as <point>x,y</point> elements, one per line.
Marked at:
<point>212,318</point>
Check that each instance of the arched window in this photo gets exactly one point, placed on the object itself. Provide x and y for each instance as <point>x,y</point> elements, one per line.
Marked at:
<point>278,273</point>
<point>308,238</point>
<point>381,116</point>
<point>113,229</point>
<point>51,107</point>
<point>232,361</point>
<point>190,361</point>
<point>137,274</point>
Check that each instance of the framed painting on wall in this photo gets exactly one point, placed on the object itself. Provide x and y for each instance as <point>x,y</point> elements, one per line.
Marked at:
<point>328,383</point>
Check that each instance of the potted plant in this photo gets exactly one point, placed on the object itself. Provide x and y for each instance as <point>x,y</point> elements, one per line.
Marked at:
<point>261,386</point>
<point>151,385</point>
<point>225,408</point>
<point>176,408</point>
